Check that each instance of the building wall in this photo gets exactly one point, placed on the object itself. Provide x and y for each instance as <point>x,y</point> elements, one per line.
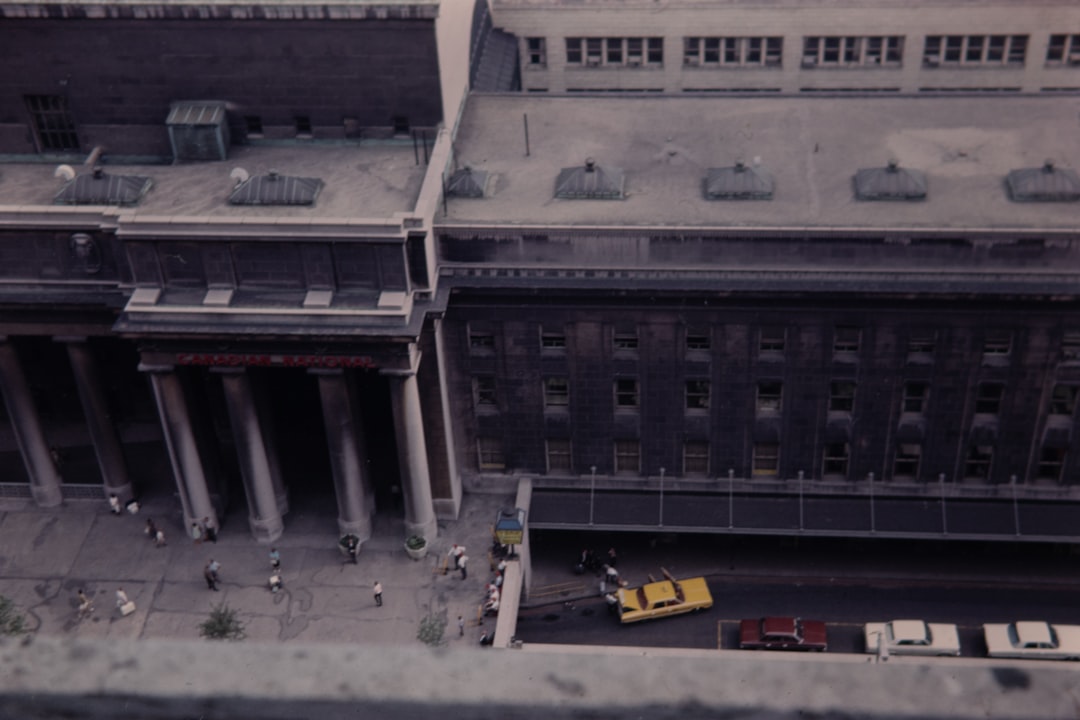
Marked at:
<point>553,22</point>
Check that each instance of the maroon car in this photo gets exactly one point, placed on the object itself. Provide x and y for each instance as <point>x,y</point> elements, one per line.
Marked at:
<point>782,633</point>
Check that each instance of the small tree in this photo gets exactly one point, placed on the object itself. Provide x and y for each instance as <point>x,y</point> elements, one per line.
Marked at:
<point>432,628</point>
<point>222,625</point>
<point>11,621</point>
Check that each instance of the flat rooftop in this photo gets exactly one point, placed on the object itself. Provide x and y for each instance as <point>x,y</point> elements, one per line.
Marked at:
<point>773,4</point>
<point>360,180</point>
<point>812,147</point>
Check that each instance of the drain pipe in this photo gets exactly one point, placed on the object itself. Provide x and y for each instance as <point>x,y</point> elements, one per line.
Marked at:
<point>94,155</point>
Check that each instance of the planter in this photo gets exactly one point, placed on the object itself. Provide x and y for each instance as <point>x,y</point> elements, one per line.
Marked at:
<point>416,547</point>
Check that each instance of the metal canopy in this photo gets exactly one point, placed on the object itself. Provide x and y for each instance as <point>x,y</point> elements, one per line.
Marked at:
<point>891,182</point>
<point>738,182</point>
<point>196,113</point>
<point>590,182</point>
<point>276,189</point>
<point>1045,184</point>
<point>99,188</point>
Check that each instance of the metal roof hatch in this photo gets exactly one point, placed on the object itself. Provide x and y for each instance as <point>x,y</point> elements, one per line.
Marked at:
<point>276,189</point>
<point>198,130</point>
<point>99,188</point>
<point>891,182</point>
<point>590,182</point>
<point>738,182</point>
<point>1045,184</point>
<point>467,182</point>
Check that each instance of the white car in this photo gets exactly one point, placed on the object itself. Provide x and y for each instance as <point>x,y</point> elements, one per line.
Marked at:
<point>1032,639</point>
<point>912,637</point>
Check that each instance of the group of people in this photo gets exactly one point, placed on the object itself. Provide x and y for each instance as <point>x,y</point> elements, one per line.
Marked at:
<point>203,530</point>
<point>86,608</point>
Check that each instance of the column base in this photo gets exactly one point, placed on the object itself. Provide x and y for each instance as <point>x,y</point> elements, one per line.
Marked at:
<point>123,492</point>
<point>360,528</point>
<point>46,496</point>
<point>266,531</point>
<point>428,530</point>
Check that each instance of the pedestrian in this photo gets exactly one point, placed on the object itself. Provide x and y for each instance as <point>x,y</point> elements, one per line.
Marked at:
<point>132,506</point>
<point>275,582</point>
<point>378,594</point>
<point>159,538</point>
<point>275,559</point>
<point>456,553</point>
<point>461,566</point>
<point>196,533</point>
<point>350,545</point>
<point>461,626</point>
<point>85,606</point>
<point>114,504</point>
<point>210,573</point>
<point>611,559</point>
<point>612,574</point>
<point>151,529</point>
<point>501,567</point>
<point>125,606</point>
<point>612,604</point>
<point>209,530</point>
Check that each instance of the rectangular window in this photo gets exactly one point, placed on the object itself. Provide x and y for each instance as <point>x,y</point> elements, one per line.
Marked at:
<point>490,454</point>
<point>594,51</point>
<point>852,51</point>
<point>696,458</point>
<point>770,395</point>
<point>655,55</point>
<point>988,398</point>
<point>997,345</point>
<point>906,462</point>
<point>54,127</point>
<point>841,396</point>
<point>627,457</point>
<point>977,465</point>
<point>484,391</point>
<point>696,342</point>
<point>697,394</point>
<point>614,51</point>
<point>303,125</point>
<point>635,51</point>
<point>1063,50</point>
<point>626,342</point>
<point>626,394</point>
<point>1063,400</point>
<point>846,340</point>
<point>556,393</point>
<point>766,461</point>
<point>253,125</point>
<point>733,52</point>
<point>712,51</point>
<point>553,342</point>
<point>1070,346</point>
<point>537,51</point>
<point>771,340</point>
<point>975,50</point>
<point>558,456</point>
<point>481,343</point>
<point>921,345</point>
<point>915,397</point>
<point>836,460</point>
<point>1051,464</point>
<point>573,51</point>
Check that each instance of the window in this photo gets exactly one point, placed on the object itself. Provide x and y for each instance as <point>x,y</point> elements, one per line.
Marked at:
<point>852,51</point>
<point>836,459</point>
<point>614,52</point>
<point>627,457</point>
<point>1063,400</point>
<point>695,458</point>
<point>536,51</point>
<point>558,456</point>
<point>697,342</point>
<point>921,344</point>
<point>915,397</point>
<point>732,51</point>
<point>846,340</point>
<point>906,462</point>
<point>553,342</point>
<point>997,345</point>
<point>54,127</point>
<point>1070,346</point>
<point>841,396</point>
<point>626,342</point>
<point>697,394</point>
<point>1051,464</point>
<point>988,398</point>
<point>1063,50</point>
<point>771,340</point>
<point>766,460</point>
<point>481,343</point>
<point>626,394</point>
<point>556,393</point>
<point>977,465</point>
<point>303,125</point>
<point>253,125</point>
<point>484,391</point>
<point>490,454</point>
<point>769,396</point>
<point>946,50</point>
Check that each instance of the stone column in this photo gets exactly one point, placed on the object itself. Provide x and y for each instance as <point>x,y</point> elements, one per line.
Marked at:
<point>44,478</point>
<point>264,517</point>
<point>412,456</point>
<point>107,446</point>
<point>180,441</point>
<point>345,438</point>
<point>269,433</point>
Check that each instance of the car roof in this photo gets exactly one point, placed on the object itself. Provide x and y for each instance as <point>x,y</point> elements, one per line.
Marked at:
<point>778,626</point>
<point>1030,632</point>
<point>659,591</point>
<point>909,630</point>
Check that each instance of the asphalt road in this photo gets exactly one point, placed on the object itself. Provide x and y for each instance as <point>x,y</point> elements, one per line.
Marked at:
<point>845,607</point>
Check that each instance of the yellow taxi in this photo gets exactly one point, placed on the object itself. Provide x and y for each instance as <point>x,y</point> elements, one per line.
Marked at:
<point>664,598</point>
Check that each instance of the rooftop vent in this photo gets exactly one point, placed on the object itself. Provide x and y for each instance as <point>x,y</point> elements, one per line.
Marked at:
<point>590,182</point>
<point>738,182</point>
<point>198,130</point>
<point>467,183</point>
<point>100,188</point>
<point>891,182</point>
<point>1045,184</point>
<point>276,189</point>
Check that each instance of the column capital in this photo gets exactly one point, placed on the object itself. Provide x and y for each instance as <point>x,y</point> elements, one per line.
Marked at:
<point>156,367</point>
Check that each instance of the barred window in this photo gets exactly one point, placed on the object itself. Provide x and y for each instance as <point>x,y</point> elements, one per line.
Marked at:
<point>54,127</point>
<point>695,458</point>
<point>558,456</point>
<point>697,394</point>
<point>766,459</point>
<point>626,394</point>
<point>627,457</point>
<point>490,453</point>
<point>556,392</point>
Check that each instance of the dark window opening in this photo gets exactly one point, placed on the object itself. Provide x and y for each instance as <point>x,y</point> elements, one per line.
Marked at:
<point>53,124</point>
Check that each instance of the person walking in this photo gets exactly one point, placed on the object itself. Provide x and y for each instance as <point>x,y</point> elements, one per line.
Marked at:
<point>159,538</point>
<point>85,606</point>
<point>461,626</point>
<point>114,504</point>
<point>123,604</point>
<point>275,559</point>
<point>211,576</point>
<point>456,553</point>
<point>209,530</point>
<point>350,545</point>
<point>378,594</point>
<point>151,529</point>
<point>196,533</point>
<point>461,566</point>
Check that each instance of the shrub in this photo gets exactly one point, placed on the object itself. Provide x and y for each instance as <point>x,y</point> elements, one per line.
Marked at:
<point>432,628</point>
<point>11,621</point>
<point>415,542</point>
<point>222,624</point>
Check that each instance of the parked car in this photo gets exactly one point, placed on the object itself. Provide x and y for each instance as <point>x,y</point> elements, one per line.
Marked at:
<point>664,598</point>
<point>782,633</point>
<point>912,637</point>
<point>1032,639</point>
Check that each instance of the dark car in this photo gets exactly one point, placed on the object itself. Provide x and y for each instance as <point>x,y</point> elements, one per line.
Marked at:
<point>782,633</point>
